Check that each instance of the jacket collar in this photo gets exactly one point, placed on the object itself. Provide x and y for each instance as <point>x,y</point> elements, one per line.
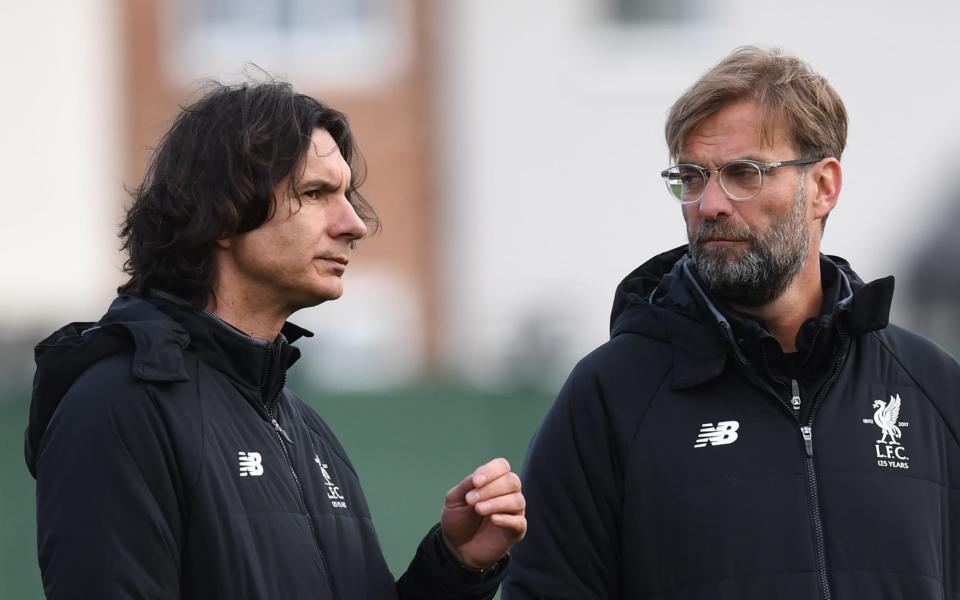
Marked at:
<point>665,300</point>
<point>246,359</point>
<point>655,300</point>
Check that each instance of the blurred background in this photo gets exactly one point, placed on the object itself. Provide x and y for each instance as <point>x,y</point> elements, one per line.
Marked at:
<point>513,150</point>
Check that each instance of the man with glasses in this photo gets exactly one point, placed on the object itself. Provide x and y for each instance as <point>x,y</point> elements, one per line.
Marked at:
<point>754,428</point>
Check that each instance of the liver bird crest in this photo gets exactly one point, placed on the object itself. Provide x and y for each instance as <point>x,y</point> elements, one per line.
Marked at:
<point>886,419</point>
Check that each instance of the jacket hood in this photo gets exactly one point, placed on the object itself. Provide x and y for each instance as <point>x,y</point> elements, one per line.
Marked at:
<point>664,299</point>
<point>158,329</point>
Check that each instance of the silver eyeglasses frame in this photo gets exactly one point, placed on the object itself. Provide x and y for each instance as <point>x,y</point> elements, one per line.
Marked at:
<point>762,169</point>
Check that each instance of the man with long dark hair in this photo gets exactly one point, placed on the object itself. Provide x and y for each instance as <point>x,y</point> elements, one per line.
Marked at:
<point>171,459</point>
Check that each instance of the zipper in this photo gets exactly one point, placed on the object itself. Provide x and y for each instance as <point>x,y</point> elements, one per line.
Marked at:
<point>817,518</point>
<point>806,432</point>
<point>282,435</point>
<point>280,431</point>
<point>795,401</point>
<point>793,406</point>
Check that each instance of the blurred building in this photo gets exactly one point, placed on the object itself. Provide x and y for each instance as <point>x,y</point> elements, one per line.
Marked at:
<point>933,286</point>
<point>553,140</point>
<point>369,58</point>
<point>513,151</point>
<point>137,62</point>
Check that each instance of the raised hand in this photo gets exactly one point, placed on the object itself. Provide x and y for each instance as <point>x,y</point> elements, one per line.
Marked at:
<point>483,516</point>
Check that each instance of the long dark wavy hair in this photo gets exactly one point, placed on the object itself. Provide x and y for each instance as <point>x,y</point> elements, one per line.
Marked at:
<point>215,173</point>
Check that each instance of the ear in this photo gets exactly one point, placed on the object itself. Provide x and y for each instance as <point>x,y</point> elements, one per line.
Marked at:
<point>828,178</point>
<point>224,242</point>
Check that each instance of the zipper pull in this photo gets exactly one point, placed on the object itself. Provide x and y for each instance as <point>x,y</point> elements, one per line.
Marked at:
<point>807,433</point>
<point>280,430</point>
<point>795,400</point>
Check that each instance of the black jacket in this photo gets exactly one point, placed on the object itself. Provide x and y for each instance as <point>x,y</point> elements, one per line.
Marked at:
<point>172,462</point>
<point>689,458</point>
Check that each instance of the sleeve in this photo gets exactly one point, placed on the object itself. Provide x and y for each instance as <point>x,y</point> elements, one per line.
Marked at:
<point>434,574</point>
<point>108,517</point>
<point>573,487</point>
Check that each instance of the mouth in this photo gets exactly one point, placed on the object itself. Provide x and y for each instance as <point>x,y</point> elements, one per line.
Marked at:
<point>723,241</point>
<point>338,263</point>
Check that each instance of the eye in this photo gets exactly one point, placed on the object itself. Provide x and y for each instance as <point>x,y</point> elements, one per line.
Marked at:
<point>689,177</point>
<point>741,172</point>
<point>312,194</point>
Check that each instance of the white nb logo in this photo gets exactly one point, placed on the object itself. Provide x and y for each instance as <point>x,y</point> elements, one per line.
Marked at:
<point>250,464</point>
<point>724,433</point>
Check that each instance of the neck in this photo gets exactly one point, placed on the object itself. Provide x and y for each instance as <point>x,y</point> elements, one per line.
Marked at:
<point>802,300</point>
<point>244,312</point>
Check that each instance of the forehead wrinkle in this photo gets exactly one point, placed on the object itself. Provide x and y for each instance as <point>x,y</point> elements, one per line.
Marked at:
<point>327,176</point>
<point>741,129</point>
<point>719,147</point>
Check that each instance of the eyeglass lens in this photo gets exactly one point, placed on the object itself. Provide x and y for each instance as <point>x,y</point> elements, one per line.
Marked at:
<point>740,180</point>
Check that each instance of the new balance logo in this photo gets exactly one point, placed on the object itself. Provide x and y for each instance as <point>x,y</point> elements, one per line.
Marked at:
<point>724,433</point>
<point>250,464</point>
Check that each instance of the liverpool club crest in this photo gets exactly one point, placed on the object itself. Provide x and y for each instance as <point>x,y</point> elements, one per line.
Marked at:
<point>890,452</point>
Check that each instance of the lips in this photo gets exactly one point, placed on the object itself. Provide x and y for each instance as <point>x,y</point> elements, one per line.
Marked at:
<point>343,260</point>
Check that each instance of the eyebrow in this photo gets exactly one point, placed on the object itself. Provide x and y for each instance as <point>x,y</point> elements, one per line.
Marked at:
<point>325,185</point>
<point>750,157</point>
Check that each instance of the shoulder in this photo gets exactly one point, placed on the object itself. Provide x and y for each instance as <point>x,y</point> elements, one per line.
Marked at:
<point>110,421</point>
<point>919,356</point>
<point>611,388</point>
<point>107,385</point>
<point>629,360</point>
<point>925,365</point>
<point>110,401</point>
<point>113,383</point>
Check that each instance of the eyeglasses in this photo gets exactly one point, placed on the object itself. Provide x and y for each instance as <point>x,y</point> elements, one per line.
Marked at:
<point>739,179</point>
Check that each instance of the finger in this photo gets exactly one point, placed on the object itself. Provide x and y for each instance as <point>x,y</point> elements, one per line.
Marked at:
<point>511,504</point>
<point>458,493</point>
<point>490,471</point>
<point>515,523</point>
<point>501,486</point>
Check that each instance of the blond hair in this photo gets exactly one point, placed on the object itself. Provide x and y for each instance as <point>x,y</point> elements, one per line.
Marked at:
<point>786,91</point>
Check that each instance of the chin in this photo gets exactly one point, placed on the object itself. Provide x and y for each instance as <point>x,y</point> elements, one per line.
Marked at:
<point>724,253</point>
<point>325,296</point>
<point>318,295</point>
<point>331,292</point>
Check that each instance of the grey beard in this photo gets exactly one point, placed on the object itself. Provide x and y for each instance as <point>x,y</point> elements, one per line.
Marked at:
<point>762,272</point>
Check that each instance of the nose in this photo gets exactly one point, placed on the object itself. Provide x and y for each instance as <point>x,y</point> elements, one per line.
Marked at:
<point>714,204</point>
<point>348,223</point>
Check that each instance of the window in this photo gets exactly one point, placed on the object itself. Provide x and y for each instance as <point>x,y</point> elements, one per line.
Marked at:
<point>331,43</point>
<point>638,12</point>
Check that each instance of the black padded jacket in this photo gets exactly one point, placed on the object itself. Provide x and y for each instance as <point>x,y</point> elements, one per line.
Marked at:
<point>689,458</point>
<point>172,462</point>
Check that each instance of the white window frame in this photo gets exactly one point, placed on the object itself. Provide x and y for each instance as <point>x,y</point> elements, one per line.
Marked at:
<point>341,54</point>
